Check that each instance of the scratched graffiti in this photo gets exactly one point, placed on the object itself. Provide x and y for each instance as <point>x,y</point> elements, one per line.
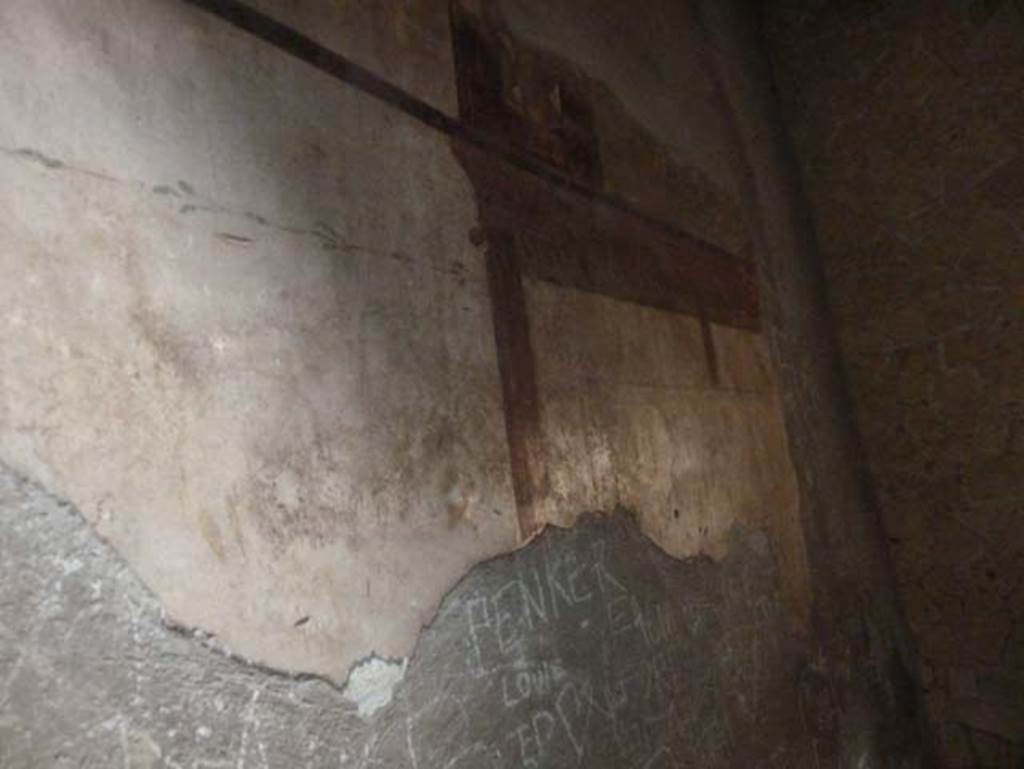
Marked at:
<point>589,647</point>
<point>593,648</point>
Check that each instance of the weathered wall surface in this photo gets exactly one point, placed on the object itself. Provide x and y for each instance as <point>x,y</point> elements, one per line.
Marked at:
<point>658,125</point>
<point>247,332</point>
<point>861,643</point>
<point>303,362</point>
<point>244,330</point>
<point>908,122</point>
<point>631,416</point>
<point>589,648</point>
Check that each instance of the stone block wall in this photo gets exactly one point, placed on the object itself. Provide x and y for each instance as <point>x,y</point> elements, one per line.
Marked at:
<point>909,125</point>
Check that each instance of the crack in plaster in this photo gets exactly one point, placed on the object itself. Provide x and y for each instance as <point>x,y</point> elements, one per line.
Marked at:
<point>190,697</point>
<point>328,237</point>
<point>373,680</point>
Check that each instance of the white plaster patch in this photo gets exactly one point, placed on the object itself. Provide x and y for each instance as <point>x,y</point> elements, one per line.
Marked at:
<point>372,682</point>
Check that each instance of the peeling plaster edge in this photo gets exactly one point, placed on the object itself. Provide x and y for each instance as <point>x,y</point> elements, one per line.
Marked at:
<point>210,641</point>
<point>620,516</point>
<point>214,643</point>
<point>206,639</point>
<point>23,482</point>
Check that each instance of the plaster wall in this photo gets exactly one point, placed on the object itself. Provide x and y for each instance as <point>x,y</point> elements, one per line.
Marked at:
<point>633,416</point>
<point>253,336</point>
<point>248,334</point>
<point>244,330</point>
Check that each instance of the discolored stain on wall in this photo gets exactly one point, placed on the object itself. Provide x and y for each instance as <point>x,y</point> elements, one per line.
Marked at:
<point>247,421</point>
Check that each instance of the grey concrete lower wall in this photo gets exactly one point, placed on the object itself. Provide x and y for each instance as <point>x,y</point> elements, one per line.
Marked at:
<point>589,647</point>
